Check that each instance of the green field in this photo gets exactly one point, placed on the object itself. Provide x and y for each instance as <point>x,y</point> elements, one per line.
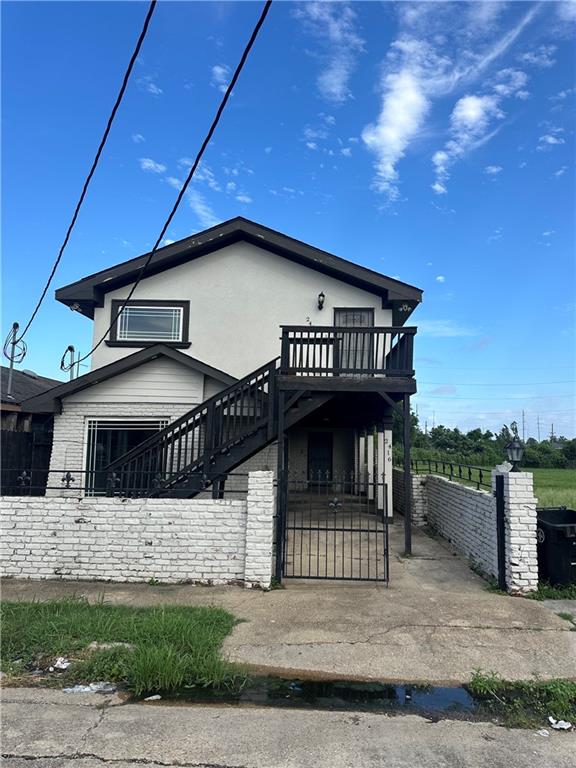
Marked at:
<point>555,487</point>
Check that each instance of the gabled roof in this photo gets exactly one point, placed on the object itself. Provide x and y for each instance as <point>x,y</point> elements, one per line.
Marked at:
<point>88,293</point>
<point>52,399</point>
<point>24,384</point>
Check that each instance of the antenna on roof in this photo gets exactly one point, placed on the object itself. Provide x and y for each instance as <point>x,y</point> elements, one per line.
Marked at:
<point>64,366</point>
<point>15,351</point>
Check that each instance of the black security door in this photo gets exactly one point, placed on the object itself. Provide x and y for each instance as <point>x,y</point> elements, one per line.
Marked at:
<point>320,449</point>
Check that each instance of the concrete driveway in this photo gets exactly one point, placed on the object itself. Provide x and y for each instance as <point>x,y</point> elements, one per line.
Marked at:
<point>436,622</point>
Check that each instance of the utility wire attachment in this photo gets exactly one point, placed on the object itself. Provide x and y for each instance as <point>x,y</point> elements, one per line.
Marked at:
<point>15,351</point>
<point>117,103</point>
<point>182,192</point>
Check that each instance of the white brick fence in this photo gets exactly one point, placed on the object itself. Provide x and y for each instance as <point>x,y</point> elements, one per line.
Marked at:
<point>466,517</point>
<point>171,540</point>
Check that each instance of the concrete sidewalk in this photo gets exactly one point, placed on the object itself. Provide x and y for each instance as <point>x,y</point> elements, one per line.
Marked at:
<point>50,729</point>
<point>436,622</point>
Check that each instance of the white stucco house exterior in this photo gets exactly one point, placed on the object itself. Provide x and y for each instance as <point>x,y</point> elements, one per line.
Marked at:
<point>238,341</point>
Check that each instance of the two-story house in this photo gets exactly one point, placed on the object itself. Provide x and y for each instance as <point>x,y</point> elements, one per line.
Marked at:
<point>241,347</point>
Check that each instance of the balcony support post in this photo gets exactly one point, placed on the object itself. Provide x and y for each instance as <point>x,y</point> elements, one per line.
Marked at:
<point>281,487</point>
<point>407,477</point>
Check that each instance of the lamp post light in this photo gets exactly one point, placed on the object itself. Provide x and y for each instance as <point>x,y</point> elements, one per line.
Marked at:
<point>321,298</point>
<point>515,452</point>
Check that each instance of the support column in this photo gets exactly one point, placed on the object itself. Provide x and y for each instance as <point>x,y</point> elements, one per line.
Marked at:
<point>388,470</point>
<point>407,478</point>
<point>380,458</point>
<point>356,489</point>
<point>362,462</point>
<point>370,479</point>
<point>281,489</point>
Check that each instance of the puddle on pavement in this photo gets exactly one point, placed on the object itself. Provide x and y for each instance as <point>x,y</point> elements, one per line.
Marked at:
<point>333,695</point>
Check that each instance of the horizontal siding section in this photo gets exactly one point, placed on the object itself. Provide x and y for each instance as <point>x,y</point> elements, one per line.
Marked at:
<point>161,380</point>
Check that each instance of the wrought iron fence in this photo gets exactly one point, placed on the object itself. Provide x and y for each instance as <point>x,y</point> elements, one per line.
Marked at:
<point>481,477</point>
<point>92,483</point>
<point>336,527</point>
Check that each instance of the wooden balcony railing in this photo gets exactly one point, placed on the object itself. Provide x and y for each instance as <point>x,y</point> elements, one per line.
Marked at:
<point>333,351</point>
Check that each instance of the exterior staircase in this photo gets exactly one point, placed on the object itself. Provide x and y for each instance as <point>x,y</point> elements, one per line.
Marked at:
<point>197,450</point>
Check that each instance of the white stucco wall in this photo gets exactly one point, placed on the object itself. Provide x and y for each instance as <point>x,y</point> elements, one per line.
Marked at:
<point>239,296</point>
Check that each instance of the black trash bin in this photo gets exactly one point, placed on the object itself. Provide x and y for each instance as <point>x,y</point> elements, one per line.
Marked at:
<point>557,545</point>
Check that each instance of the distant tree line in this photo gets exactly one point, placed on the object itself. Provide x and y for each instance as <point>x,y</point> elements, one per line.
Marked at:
<point>484,449</point>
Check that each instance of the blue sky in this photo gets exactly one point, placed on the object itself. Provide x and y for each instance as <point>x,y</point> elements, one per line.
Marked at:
<point>433,142</point>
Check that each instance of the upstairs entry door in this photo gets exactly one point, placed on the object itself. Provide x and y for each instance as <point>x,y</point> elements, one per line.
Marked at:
<point>355,350</point>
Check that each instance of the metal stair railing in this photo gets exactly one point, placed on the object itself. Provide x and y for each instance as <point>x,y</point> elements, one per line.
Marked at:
<point>188,445</point>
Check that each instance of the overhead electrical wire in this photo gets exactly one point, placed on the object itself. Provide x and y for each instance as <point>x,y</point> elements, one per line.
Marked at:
<point>103,140</point>
<point>182,191</point>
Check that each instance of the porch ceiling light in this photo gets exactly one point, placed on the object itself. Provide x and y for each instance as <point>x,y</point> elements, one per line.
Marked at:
<point>515,452</point>
<point>321,298</point>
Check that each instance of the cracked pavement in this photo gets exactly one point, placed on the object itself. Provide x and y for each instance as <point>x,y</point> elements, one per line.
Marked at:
<point>51,729</point>
<point>436,622</point>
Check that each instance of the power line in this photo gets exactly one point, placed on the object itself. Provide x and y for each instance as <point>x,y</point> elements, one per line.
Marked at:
<point>519,398</point>
<point>522,384</point>
<point>117,103</point>
<point>205,143</point>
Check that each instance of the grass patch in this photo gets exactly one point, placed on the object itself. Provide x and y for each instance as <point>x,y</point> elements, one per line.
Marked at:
<point>548,592</point>
<point>524,704</point>
<point>172,646</point>
<point>555,487</point>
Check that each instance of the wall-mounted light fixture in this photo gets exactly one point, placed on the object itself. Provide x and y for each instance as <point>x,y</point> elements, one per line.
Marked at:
<point>321,298</point>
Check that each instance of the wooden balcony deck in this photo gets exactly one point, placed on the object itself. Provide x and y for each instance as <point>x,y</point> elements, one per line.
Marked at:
<point>329,358</point>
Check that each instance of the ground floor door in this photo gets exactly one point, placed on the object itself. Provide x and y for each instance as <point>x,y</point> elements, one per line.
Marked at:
<point>320,457</point>
<point>333,529</point>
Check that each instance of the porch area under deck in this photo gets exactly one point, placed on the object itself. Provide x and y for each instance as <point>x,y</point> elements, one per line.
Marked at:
<point>335,465</point>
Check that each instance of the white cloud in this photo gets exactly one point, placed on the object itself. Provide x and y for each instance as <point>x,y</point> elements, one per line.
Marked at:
<point>493,170</point>
<point>496,235</point>
<point>137,138</point>
<point>541,57</point>
<point>561,171</point>
<point>312,145</point>
<point>204,174</point>
<point>444,329</point>
<point>230,186</point>
<point>471,124</point>
<point>549,233</point>
<point>404,107</point>
<point>243,199</point>
<point>148,83</point>
<point>511,82</point>
<point>567,10</point>
<point>550,139</point>
<point>167,241</point>
<point>346,151</point>
<point>440,49</point>
<point>562,95</point>
<point>440,279</point>
<point>201,208</point>
<point>334,24</point>
<point>267,150</point>
<point>220,77</point>
<point>147,164</point>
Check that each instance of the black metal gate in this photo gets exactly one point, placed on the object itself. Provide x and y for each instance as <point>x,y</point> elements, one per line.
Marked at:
<point>335,528</point>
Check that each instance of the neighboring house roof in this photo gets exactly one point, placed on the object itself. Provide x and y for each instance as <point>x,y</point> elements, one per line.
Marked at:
<point>88,293</point>
<point>25,384</point>
<point>52,399</point>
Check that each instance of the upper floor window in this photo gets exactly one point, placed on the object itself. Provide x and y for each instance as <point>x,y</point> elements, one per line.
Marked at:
<point>150,322</point>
